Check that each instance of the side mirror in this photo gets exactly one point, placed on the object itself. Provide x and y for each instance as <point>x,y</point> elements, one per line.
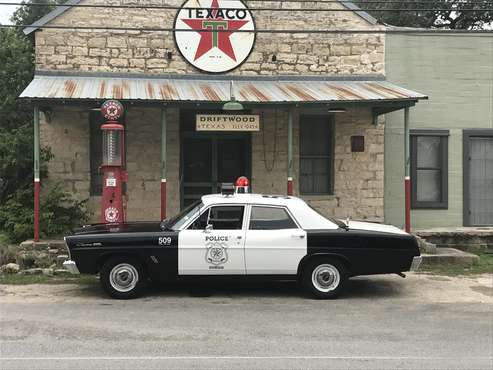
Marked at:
<point>208,228</point>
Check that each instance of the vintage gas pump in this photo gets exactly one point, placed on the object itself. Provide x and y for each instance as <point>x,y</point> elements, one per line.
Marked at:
<point>112,207</point>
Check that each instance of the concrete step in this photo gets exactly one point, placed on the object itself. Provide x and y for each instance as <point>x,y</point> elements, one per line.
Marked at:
<point>468,239</point>
<point>450,256</point>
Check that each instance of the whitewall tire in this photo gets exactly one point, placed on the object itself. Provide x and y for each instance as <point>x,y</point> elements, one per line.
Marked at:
<point>122,277</point>
<point>324,278</point>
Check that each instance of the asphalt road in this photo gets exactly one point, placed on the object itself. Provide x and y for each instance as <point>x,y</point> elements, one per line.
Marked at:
<point>421,322</point>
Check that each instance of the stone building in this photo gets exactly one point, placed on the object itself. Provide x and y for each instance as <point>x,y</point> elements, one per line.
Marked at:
<point>319,97</point>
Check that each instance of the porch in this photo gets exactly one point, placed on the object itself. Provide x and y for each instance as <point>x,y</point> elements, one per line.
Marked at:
<point>319,138</point>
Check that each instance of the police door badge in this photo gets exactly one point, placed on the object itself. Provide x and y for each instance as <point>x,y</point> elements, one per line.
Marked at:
<point>216,255</point>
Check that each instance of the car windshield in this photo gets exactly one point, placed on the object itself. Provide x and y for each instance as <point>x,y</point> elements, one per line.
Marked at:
<point>179,220</point>
<point>334,220</point>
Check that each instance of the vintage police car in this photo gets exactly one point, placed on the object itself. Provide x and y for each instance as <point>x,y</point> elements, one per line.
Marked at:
<point>241,235</point>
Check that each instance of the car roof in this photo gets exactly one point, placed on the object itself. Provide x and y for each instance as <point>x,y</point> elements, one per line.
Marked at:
<point>306,216</point>
<point>266,199</point>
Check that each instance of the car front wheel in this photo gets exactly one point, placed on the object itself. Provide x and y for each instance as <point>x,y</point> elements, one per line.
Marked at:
<point>122,277</point>
<point>324,278</point>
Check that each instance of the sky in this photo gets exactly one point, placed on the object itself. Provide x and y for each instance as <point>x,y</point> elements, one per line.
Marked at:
<point>7,10</point>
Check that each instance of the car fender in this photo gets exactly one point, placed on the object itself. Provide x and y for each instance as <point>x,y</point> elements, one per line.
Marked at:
<point>309,257</point>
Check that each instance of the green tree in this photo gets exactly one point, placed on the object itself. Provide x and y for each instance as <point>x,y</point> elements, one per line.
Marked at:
<point>59,212</point>
<point>29,14</point>
<point>445,14</point>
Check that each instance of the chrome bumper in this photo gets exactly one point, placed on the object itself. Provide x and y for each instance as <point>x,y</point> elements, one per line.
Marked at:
<point>71,267</point>
<point>416,263</point>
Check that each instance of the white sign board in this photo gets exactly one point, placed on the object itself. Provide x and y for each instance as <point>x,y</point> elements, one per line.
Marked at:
<point>222,48</point>
<point>227,122</point>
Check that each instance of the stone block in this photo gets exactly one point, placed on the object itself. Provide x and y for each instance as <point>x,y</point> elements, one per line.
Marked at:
<point>55,40</point>
<point>26,260</point>
<point>340,50</point>
<point>74,40</point>
<point>97,42</point>
<point>156,63</point>
<point>61,272</point>
<point>91,61</point>
<point>34,271</point>
<point>10,268</point>
<point>96,52</point>
<point>80,50</point>
<point>60,259</point>
<point>118,62</point>
<point>116,42</point>
<point>138,63</point>
<point>47,271</point>
<point>45,50</point>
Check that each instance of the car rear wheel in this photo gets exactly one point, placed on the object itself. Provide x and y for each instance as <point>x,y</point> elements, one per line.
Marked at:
<point>122,277</point>
<point>324,278</point>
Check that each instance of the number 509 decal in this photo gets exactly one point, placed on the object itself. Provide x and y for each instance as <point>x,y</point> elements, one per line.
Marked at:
<point>164,240</point>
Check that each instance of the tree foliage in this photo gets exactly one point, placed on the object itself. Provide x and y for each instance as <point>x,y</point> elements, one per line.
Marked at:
<point>59,212</point>
<point>445,14</point>
<point>29,14</point>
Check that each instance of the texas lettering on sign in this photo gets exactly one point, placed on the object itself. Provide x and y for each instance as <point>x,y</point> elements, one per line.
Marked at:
<point>214,45</point>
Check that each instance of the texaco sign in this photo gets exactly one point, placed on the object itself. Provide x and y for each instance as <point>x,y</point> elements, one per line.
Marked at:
<point>214,45</point>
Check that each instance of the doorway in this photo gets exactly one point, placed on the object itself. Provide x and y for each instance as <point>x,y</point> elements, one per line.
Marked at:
<point>478,177</point>
<point>209,159</point>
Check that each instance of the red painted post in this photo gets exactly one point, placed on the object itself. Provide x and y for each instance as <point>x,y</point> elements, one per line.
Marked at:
<point>407,177</point>
<point>407,186</point>
<point>36,172</point>
<point>290,186</point>
<point>163,199</point>
<point>36,209</point>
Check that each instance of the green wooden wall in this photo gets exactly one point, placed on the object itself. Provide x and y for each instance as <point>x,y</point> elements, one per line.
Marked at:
<point>456,72</point>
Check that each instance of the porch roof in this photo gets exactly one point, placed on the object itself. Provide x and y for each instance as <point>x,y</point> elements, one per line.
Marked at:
<point>215,89</point>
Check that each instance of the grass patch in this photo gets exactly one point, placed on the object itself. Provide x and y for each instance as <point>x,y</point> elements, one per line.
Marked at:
<point>485,265</point>
<point>16,279</point>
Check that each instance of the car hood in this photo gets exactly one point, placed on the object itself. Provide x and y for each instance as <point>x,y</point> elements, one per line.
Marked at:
<point>127,227</point>
<point>373,226</point>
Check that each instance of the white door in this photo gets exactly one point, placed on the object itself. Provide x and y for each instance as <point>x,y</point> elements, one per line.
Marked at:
<point>214,243</point>
<point>274,243</point>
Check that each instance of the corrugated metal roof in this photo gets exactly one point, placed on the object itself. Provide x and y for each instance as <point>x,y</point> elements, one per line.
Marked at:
<point>210,90</point>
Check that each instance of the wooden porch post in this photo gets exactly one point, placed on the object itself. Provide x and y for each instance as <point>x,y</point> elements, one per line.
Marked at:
<point>290,152</point>
<point>163,163</point>
<point>36,173</point>
<point>407,177</point>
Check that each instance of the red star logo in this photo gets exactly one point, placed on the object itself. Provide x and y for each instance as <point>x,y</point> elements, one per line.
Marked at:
<point>211,38</point>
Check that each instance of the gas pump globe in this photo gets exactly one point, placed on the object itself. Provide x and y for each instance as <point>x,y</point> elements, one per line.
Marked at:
<point>112,208</point>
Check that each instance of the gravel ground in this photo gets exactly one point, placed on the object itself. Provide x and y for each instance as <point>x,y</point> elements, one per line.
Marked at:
<point>421,322</point>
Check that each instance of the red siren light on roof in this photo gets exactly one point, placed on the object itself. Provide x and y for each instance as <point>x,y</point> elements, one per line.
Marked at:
<point>242,181</point>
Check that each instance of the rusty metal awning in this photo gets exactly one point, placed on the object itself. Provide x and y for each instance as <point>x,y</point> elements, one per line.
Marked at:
<point>211,90</point>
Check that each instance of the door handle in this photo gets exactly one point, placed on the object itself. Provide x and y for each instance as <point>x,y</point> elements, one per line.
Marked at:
<point>301,236</point>
<point>239,237</point>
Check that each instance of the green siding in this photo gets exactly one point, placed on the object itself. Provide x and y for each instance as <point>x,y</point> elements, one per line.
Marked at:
<point>456,72</point>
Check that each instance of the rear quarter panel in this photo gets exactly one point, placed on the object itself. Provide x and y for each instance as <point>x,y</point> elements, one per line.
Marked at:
<point>366,252</point>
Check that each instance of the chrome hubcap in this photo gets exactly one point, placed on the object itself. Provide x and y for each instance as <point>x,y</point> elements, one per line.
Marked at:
<point>326,278</point>
<point>124,277</point>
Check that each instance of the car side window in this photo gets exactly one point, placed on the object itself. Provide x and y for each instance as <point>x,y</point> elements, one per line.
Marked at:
<point>270,218</point>
<point>226,217</point>
<point>201,222</point>
<point>220,218</point>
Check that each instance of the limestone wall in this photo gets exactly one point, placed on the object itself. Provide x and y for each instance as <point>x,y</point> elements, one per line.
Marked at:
<point>145,51</point>
<point>358,177</point>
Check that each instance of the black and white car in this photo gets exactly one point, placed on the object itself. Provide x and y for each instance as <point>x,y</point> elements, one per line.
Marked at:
<point>241,235</point>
